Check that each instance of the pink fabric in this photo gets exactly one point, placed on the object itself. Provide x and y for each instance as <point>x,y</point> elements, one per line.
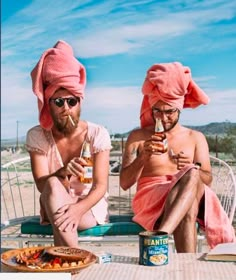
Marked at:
<point>149,201</point>
<point>217,226</point>
<point>173,84</point>
<point>41,141</point>
<point>56,68</point>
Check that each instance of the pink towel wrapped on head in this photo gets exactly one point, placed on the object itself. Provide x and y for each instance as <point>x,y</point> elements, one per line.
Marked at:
<point>171,83</point>
<point>56,68</point>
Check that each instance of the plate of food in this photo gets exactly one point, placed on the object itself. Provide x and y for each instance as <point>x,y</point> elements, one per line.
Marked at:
<point>48,259</point>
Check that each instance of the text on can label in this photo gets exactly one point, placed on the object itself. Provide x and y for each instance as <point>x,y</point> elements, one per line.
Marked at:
<point>150,242</point>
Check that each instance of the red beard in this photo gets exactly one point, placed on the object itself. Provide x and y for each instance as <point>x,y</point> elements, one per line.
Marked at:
<point>65,125</point>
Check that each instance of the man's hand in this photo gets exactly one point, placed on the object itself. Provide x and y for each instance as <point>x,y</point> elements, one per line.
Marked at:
<point>68,218</point>
<point>74,167</point>
<point>181,159</point>
<point>154,145</point>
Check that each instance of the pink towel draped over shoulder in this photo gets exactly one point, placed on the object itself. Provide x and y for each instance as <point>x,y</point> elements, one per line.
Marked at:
<point>173,84</point>
<point>56,68</point>
<point>149,202</point>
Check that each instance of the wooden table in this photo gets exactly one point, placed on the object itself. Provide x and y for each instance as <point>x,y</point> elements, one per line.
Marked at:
<point>180,267</point>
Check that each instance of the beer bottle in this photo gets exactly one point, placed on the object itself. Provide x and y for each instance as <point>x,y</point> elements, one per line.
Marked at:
<point>159,130</point>
<point>87,177</point>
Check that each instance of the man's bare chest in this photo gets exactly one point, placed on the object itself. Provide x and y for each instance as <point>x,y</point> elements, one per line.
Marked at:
<point>181,144</point>
<point>69,150</point>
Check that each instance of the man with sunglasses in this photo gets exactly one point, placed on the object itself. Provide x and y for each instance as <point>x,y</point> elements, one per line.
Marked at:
<point>172,187</point>
<point>56,145</point>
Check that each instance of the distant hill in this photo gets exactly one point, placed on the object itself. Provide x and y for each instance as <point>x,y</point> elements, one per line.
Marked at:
<point>216,128</point>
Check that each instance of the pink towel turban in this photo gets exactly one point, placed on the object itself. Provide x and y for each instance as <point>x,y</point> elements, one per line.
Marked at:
<point>56,68</point>
<point>171,83</point>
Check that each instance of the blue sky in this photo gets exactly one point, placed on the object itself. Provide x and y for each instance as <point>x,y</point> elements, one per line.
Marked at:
<point>117,41</point>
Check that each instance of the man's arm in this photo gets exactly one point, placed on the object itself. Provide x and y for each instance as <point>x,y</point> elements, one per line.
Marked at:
<point>132,163</point>
<point>202,157</point>
<point>39,166</point>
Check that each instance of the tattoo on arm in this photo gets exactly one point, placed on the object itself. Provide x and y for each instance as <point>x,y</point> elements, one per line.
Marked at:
<point>130,157</point>
<point>133,154</point>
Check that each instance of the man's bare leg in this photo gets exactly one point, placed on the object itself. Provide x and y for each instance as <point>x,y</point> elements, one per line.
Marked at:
<point>185,235</point>
<point>54,197</point>
<point>61,238</point>
<point>182,202</point>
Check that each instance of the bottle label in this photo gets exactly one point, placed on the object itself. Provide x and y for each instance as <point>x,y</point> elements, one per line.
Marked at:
<point>165,143</point>
<point>158,129</point>
<point>88,172</point>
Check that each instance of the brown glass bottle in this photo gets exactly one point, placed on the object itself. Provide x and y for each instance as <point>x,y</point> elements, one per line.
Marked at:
<point>159,130</point>
<point>87,177</point>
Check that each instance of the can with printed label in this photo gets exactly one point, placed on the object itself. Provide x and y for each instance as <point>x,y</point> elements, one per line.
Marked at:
<point>153,248</point>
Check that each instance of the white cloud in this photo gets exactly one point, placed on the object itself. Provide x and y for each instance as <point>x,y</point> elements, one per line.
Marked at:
<point>114,30</point>
<point>117,108</point>
<point>121,33</point>
<point>220,109</point>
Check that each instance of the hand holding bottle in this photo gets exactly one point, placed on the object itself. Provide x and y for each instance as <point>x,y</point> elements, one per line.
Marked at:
<point>87,176</point>
<point>75,167</point>
<point>153,146</point>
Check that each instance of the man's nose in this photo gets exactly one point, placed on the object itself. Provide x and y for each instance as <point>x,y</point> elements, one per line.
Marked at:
<point>66,106</point>
<point>163,116</point>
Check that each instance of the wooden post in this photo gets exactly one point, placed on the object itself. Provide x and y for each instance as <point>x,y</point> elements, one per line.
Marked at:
<point>17,135</point>
<point>216,146</point>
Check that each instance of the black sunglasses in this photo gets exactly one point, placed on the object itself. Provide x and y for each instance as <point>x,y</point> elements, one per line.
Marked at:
<point>60,101</point>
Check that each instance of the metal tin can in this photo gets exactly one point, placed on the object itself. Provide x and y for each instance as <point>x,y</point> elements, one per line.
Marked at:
<point>153,248</point>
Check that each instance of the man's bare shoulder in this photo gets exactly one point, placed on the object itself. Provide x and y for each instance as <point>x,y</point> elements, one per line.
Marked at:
<point>189,131</point>
<point>194,133</point>
<point>139,134</point>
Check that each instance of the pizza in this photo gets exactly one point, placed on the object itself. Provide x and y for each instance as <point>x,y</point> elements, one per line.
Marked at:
<point>53,258</point>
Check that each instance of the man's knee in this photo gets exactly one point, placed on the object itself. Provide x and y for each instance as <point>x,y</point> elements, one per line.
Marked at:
<point>191,175</point>
<point>51,187</point>
<point>191,215</point>
<point>191,181</point>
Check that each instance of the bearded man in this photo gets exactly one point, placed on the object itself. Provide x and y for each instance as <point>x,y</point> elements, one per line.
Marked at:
<point>173,187</point>
<point>55,147</point>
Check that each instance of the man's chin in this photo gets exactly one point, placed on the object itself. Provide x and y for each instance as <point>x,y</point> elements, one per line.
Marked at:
<point>67,129</point>
<point>169,127</point>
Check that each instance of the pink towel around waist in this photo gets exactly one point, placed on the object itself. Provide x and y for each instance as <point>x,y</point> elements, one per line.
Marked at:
<point>149,201</point>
